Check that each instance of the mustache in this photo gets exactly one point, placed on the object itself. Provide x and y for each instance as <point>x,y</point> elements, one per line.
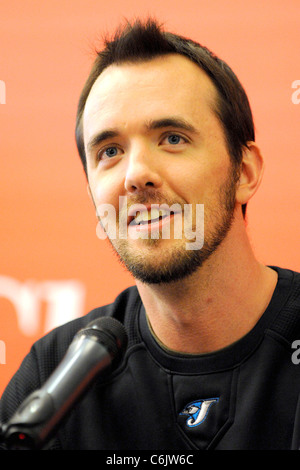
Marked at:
<point>153,197</point>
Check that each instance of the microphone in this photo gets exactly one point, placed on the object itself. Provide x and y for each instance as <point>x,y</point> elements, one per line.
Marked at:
<point>95,349</point>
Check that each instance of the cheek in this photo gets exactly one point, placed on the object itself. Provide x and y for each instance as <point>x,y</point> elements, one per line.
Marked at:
<point>201,187</point>
<point>104,191</point>
<point>190,183</point>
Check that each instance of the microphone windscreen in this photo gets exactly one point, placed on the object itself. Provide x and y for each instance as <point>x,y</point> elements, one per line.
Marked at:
<point>108,331</point>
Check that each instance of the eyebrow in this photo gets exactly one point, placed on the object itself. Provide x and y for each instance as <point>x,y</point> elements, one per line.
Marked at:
<point>102,136</point>
<point>175,122</point>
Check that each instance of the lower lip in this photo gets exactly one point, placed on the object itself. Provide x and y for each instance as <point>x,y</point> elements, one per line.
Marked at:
<point>152,226</point>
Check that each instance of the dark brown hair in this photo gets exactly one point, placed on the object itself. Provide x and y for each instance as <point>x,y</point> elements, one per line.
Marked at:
<point>145,41</point>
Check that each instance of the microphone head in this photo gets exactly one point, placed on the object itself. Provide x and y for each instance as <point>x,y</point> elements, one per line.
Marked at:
<point>110,333</point>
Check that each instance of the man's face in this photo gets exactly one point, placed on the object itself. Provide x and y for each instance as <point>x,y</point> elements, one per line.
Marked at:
<point>151,136</point>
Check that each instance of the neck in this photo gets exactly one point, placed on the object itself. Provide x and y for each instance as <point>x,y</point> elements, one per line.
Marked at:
<point>215,306</point>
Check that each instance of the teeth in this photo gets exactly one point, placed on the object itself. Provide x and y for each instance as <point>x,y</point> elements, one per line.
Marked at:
<point>152,214</point>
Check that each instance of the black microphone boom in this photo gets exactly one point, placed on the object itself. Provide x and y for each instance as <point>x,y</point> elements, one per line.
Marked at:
<point>96,348</point>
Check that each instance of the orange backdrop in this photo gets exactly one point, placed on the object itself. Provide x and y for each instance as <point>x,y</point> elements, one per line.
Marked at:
<point>52,265</point>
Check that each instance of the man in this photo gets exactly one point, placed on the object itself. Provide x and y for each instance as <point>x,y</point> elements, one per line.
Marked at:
<point>164,126</point>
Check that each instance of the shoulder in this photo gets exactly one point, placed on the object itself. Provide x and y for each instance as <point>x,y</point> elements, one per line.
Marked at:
<point>53,345</point>
<point>48,351</point>
<point>287,303</point>
<point>288,282</point>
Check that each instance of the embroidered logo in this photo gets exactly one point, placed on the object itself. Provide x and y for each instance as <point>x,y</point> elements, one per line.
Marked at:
<point>197,411</point>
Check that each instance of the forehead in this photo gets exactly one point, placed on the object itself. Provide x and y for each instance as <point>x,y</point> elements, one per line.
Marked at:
<point>169,84</point>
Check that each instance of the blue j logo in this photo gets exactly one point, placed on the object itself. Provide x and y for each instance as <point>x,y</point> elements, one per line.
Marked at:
<point>197,411</point>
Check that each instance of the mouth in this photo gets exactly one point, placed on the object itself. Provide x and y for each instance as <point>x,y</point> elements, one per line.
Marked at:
<point>149,217</point>
<point>146,217</point>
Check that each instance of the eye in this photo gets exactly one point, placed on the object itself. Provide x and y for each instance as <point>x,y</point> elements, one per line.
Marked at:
<point>173,139</point>
<point>108,152</point>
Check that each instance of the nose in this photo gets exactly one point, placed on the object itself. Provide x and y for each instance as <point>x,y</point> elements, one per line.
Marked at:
<point>142,171</point>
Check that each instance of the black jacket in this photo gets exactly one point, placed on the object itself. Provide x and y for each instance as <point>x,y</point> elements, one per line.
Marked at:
<point>242,397</point>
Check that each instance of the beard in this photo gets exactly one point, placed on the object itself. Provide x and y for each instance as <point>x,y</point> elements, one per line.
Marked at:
<point>175,262</point>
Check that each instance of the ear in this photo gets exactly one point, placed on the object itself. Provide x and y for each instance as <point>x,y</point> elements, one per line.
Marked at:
<point>252,168</point>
